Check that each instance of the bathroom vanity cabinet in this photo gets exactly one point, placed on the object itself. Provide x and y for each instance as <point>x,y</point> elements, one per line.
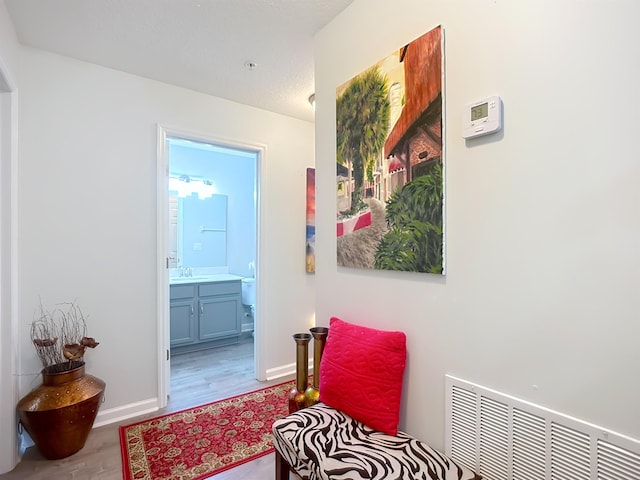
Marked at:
<point>205,314</point>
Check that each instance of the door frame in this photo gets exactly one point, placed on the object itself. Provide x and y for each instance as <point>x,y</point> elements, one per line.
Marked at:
<point>9,341</point>
<point>162,188</point>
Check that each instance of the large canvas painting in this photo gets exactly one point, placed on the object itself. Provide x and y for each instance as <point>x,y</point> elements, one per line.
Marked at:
<point>389,169</point>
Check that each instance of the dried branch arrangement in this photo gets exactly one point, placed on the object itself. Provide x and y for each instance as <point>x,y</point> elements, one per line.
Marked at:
<point>59,337</point>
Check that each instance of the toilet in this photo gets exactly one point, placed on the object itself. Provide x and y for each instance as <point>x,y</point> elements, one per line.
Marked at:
<point>249,291</point>
<point>248,300</point>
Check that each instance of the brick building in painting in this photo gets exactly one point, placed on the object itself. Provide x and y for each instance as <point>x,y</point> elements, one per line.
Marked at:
<point>415,140</point>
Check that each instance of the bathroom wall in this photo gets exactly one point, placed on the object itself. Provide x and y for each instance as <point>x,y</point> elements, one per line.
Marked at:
<point>233,174</point>
<point>202,231</point>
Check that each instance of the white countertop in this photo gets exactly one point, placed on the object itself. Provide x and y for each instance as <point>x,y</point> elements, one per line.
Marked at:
<point>218,277</point>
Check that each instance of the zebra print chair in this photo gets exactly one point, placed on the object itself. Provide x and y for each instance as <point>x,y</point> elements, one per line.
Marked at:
<point>322,443</point>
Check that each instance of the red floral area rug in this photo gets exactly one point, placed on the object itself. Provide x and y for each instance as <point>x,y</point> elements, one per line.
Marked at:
<point>199,442</point>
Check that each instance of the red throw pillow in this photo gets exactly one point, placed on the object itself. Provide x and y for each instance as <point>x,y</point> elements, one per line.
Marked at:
<point>361,374</point>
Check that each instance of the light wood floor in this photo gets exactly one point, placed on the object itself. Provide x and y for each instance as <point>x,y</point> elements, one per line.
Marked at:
<point>196,378</point>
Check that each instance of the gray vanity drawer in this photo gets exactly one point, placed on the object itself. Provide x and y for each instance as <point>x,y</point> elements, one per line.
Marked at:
<point>220,288</point>
<point>182,291</point>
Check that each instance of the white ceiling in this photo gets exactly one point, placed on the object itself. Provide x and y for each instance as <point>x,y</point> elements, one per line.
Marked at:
<point>202,45</point>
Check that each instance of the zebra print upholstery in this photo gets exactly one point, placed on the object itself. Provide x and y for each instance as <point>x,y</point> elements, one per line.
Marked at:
<point>322,443</point>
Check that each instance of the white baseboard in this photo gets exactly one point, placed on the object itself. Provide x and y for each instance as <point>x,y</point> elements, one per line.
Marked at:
<point>282,371</point>
<point>285,371</point>
<point>124,412</point>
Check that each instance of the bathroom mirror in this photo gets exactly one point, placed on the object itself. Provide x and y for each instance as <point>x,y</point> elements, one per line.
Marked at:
<point>198,233</point>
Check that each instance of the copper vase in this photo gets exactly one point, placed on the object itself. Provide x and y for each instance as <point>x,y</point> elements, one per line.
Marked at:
<point>312,393</point>
<point>59,414</point>
<point>296,395</point>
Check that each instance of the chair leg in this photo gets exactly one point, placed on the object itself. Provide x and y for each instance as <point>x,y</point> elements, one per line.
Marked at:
<point>282,467</point>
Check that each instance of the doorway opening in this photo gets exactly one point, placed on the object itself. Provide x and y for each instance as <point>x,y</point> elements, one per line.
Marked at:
<point>211,244</point>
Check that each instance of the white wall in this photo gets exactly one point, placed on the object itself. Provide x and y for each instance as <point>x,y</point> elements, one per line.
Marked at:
<point>88,212</point>
<point>8,40</point>
<point>542,221</point>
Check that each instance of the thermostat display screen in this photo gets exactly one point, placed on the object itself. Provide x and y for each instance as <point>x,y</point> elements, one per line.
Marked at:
<point>479,111</point>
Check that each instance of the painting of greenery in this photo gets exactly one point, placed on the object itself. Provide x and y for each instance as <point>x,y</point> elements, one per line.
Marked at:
<point>414,217</point>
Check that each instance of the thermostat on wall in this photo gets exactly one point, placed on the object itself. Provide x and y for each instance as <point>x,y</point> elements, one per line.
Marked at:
<point>482,117</point>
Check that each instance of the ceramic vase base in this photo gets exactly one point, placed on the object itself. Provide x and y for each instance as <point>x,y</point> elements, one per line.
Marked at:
<point>59,414</point>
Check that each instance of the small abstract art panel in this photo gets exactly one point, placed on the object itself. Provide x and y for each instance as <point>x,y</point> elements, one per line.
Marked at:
<point>389,162</point>
<point>311,221</point>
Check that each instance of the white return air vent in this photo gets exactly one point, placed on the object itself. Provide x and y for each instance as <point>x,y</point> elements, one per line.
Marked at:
<point>504,438</point>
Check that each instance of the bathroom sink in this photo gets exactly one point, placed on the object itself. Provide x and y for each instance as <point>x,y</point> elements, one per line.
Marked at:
<point>204,278</point>
<point>195,278</point>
